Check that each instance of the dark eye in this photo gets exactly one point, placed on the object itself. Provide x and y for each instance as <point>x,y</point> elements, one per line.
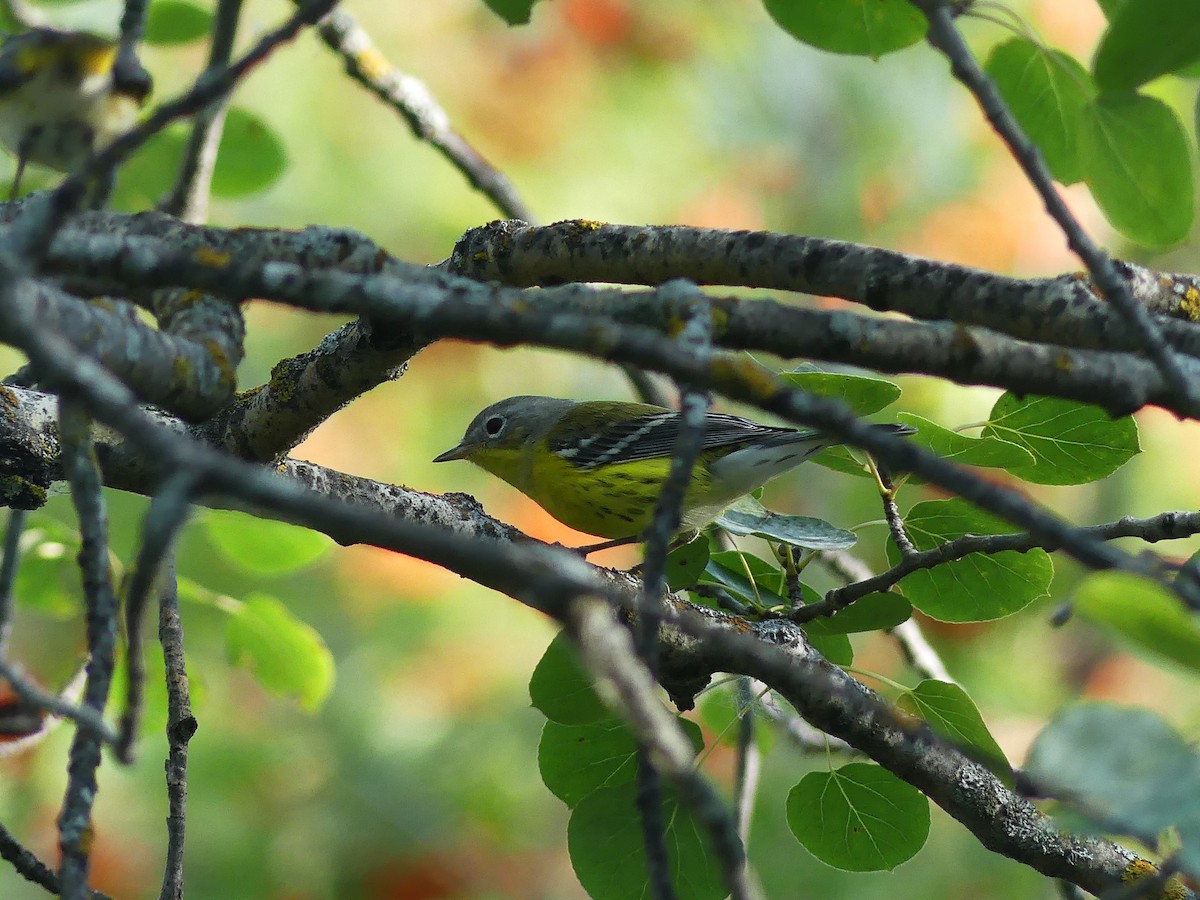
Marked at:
<point>494,425</point>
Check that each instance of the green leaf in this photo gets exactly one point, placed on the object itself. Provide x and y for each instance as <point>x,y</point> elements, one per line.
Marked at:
<point>839,459</point>
<point>685,563</point>
<point>746,577</point>
<point>979,587</point>
<point>1071,443</point>
<point>561,689</point>
<point>1141,613</point>
<point>990,452</point>
<point>1125,768</point>
<point>152,170</point>
<point>859,818</point>
<point>834,647</point>
<point>874,612</point>
<point>514,12</point>
<point>1147,39</point>
<point>951,713</point>
<point>749,517</point>
<point>861,27</point>
<point>262,546</point>
<point>1111,7</point>
<point>251,158</point>
<point>575,760</point>
<point>47,576</point>
<point>862,394</point>
<point>176,22</point>
<point>604,838</point>
<point>721,711</point>
<point>1046,91</point>
<point>1137,163</point>
<point>287,656</point>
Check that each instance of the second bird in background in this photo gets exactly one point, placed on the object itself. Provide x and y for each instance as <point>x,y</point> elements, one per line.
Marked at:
<point>64,95</point>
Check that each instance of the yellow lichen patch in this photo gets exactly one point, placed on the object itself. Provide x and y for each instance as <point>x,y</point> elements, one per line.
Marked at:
<point>18,493</point>
<point>207,256</point>
<point>8,397</point>
<point>745,373</point>
<point>1063,361</point>
<point>720,319</point>
<point>282,384</point>
<point>1189,303</point>
<point>216,350</point>
<point>373,64</point>
<point>1139,869</point>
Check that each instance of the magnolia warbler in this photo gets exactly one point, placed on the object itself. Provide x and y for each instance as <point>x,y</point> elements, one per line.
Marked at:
<point>598,466</point>
<point>65,95</point>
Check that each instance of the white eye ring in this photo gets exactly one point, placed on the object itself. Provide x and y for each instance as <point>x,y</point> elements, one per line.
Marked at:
<point>493,426</point>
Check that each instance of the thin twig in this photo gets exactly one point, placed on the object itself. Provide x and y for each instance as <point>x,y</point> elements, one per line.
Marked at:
<point>696,336</point>
<point>166,516</point>
<point>28,866</point>
<point>1174,525</point>
<point>181,725</point>
<point>749,758</point>
<point>918,652</point>
<point>188,199</point>
<point>412,99</point>
<point>891,512</point>
<point>8,573</point>
<point>83,474</point>
<point>87,718</point>
<point>943,36</point>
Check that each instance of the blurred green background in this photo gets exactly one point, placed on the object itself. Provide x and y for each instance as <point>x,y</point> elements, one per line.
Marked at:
<point>417,777</point>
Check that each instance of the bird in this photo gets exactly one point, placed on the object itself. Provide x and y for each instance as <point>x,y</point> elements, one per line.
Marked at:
<point>64,95</point>
<point>598,466</point>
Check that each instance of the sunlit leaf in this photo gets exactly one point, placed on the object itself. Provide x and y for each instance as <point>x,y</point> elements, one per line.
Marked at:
<point>985,451</point>
<point>951,713</point>
<point>1046,91</point>
<point>1146,39</point>
<point>251,157</point>
<point>1071,443</point>
<point>286,655</point>
<point>1137,162</point>
<point>262,546</point>
<point>176,22</point>
<point>861,27</point>
<point>48,575</point>
<point>863,394</point>
<point>1142,613</point>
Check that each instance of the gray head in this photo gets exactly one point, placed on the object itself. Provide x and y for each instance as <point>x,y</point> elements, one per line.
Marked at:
<point>509,424</point>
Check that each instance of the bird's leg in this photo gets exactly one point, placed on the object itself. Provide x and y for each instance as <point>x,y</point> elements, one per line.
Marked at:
<point>16,184</point>
<point>589,549</point>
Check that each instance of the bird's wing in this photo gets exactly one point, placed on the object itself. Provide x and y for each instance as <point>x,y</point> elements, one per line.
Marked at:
<point>649,436</point>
